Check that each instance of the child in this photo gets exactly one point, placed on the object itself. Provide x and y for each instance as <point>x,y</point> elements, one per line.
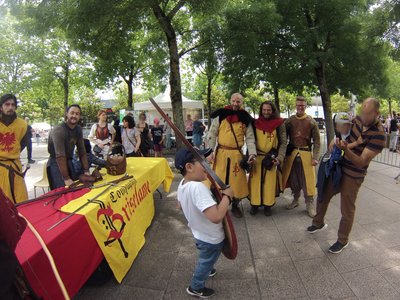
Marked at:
<point>204,218</point>
<point>158,138</point>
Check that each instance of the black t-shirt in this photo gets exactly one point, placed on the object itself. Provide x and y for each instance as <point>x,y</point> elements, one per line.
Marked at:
<point>393,125</point>
<point>157,133</point>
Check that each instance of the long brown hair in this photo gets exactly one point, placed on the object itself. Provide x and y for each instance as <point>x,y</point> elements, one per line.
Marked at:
<point>275,113</point>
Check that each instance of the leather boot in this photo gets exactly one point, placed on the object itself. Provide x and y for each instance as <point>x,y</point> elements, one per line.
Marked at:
<point>253,210</point>
<point>267,211</point>
<point>236,211</point>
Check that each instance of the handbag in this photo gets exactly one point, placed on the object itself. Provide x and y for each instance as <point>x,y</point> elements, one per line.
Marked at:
<point>97,149</point>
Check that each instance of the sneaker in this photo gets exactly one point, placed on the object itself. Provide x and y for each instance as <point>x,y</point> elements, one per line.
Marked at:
<point>31,161</point>
<point>253,210</point>
<point>337,247</point>
<point>203,293</point>
<point>212,273</point>
<point>314,229</point>
<point>267,211</point>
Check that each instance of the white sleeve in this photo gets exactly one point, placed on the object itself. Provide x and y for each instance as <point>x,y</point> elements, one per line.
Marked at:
<point>202,197</point>
<point>111,129</point>
<point>92,133</point>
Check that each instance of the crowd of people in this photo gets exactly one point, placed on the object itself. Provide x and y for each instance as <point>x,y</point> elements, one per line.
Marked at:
<point>279,154</point>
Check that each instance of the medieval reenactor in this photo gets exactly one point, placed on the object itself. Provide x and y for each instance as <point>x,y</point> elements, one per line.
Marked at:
<point>230,129</point>
<point>265,178</point>
<point>301,156</point>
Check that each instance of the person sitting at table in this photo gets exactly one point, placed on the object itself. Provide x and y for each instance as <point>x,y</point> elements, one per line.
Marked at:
<point>62,141</point>
<point>130,136</point>
<point>93,160</point>
<point>102,134</point>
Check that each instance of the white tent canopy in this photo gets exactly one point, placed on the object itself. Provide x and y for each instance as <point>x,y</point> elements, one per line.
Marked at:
<point>164,101</point>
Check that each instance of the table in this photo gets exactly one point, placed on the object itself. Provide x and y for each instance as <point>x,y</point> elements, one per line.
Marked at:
<point>73,244</point>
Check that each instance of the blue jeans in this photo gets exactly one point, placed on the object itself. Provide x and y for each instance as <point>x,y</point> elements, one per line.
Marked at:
<point>208,256</point>
<point>197,139</point>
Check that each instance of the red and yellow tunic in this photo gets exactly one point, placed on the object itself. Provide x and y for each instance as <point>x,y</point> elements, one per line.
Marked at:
<point>10,149</point>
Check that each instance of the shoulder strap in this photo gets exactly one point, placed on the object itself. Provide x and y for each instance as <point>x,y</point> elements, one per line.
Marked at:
<point>234,135</point>
<point>126,133</point>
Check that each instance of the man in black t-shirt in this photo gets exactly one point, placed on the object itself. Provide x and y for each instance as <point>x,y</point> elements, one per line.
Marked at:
<point>393,128</point>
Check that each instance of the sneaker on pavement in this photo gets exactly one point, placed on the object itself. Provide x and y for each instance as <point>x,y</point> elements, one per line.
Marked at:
<point>337,247</point>
<point>314,229</point>
<point>31,161</point>
<point>203,293</point>
<point>212,273</point>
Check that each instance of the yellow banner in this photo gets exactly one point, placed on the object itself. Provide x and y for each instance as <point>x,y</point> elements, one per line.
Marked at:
<point>120,216</point>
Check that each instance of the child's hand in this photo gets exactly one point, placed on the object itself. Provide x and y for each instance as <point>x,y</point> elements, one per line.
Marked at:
<point>341,144</point>
<point>228,192</point>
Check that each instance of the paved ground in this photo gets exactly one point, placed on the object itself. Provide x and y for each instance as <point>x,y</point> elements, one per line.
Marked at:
<point>277,258</point>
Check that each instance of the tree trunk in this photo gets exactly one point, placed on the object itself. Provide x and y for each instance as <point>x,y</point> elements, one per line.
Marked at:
<point>276,97</point>
<point>326,101</point>
<point>129,83</point>
<point>174,75</point>
<point>390,106</point>
<point>65,80</point>
<point>209,89</point>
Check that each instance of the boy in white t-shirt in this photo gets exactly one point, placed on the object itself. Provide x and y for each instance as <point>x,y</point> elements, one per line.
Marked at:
<point>204,217</point>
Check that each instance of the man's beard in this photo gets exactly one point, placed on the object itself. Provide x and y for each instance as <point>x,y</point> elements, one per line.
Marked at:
<point>8,119</point>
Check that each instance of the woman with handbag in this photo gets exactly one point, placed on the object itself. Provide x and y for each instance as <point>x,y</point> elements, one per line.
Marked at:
<point>101,134</point>
<point>130,137</point>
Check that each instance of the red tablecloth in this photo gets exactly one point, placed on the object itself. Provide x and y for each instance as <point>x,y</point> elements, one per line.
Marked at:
<point>72,245</point>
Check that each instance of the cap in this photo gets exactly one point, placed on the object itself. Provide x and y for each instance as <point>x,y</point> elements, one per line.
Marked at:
<point>184,155</point>
<point>342,118</point>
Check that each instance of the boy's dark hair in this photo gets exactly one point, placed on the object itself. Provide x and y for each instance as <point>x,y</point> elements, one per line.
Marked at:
<point>74,105</point>
<point>130,120</point>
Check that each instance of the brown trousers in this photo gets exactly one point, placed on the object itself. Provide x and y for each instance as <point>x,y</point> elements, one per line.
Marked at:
<point>349,188</point>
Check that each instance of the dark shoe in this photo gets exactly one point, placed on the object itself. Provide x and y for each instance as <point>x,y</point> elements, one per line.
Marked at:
<point>203,293</point>
<point>267,211</point>
<point>253,210</point>
<point>31,161</point>
<point>236,211</point>
<point>337,247</point>
<point>314,229</point>
<point>212,273</point>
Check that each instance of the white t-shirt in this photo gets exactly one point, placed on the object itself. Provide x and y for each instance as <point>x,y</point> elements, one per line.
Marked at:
<point>195,198</point>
